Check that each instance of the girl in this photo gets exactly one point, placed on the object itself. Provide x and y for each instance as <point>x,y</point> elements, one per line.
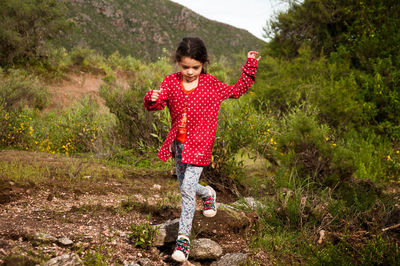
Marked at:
<point>193,99</point>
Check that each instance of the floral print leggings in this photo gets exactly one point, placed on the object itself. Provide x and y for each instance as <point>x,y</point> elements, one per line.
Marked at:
<point>188,176</point>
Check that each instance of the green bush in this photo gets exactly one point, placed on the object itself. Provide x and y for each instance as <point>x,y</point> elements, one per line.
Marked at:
<point>349,251</point>
<point>79,128</point>
<point>27,27</point>
<point>19,89</point>
<point>330,87</point>
<point>307,147</point>
<point>138,128</point>
<point>142,235</point>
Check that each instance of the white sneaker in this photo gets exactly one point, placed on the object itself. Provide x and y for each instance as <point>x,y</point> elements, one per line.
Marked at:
<point>182,248</point>
<point>209,206</point>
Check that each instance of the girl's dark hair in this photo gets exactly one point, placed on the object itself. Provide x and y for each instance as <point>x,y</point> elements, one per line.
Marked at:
<point>194,48</point>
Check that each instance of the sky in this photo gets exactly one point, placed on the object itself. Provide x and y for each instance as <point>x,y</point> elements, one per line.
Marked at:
<point>251,15</point>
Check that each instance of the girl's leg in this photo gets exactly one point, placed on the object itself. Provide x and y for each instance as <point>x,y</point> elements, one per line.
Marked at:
<point>188,193</point>
<point>188,176</point>
<point>201,191</point>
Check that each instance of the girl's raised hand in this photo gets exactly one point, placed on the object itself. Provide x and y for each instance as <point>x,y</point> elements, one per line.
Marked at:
<point>253,54</point>
<point>155,95</point>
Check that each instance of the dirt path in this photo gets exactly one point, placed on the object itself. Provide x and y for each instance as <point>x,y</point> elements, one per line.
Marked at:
<point>94,211</point>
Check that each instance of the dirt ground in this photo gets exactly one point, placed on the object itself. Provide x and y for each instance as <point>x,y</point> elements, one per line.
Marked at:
<point>96,212</point>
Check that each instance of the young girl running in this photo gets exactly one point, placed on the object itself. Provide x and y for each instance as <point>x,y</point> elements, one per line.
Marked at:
<point>193,99</point>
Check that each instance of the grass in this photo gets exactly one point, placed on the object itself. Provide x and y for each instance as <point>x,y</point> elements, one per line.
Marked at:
<point>84,172</point>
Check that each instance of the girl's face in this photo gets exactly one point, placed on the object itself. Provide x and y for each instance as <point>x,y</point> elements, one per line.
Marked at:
<point>190,69</point>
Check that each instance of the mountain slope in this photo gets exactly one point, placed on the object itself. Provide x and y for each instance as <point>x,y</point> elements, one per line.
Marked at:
<point>143,28</point>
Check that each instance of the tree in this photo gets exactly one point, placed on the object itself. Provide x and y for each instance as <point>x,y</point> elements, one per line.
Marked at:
<point>368,29</point>
<point>27,26</point>
<point>365,33</point>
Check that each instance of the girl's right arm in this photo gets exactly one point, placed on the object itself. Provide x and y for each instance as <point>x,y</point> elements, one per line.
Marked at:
<point>157,99</point>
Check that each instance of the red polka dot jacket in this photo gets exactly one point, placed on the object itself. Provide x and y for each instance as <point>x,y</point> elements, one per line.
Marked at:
<point>203,107</point>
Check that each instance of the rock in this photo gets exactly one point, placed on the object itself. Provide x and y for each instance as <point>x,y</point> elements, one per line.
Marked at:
<point>231,259</point>
<point>121,233</point>
<point>70,259</point>
<point>64,241</point>
<point>228,219</point>
<point>204,248</point>
<point>44,238</point>
<point>249,202</point>
<point>145,262</point>
<point>167,232</point>
<point>130,264</point>
<point>156,186</point>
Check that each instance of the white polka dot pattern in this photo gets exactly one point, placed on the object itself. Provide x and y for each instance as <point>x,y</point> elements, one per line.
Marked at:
<point>203,108</point>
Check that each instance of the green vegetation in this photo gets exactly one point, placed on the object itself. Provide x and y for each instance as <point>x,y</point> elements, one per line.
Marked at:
<point>322,122</point>
<point>27,27</point>
<point>143,235</point>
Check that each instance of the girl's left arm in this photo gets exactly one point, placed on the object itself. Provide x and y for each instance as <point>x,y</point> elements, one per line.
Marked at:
<point>245,81</point>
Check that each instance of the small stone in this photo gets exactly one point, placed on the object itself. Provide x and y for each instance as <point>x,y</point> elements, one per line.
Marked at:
<point>44,238</point>
<point>167,232</point>
<point>231,259</point>
<point>204,248</point>
<point>70,259</point>
<point>121,233</point>
<point>156,187</point>
<point>65,241</point>
<point>145,262</point>
<point>127,263</point>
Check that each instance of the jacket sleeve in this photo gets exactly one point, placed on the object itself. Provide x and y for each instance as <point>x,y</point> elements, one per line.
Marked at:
<point>243,84</point>
<point>162,99</point>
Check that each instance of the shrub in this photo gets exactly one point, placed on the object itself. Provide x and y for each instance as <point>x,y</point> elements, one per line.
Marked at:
<point>27,26</point>
<point>330,87</point>
<point>138,127</point>
<point>18,89</point>
<point>79,128</point>
<point>143,235</point>
<point>307,147</point>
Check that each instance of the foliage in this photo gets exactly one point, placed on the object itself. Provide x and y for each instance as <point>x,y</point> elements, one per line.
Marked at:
<point>377,250</point>
<point>328,86</point>
<point>137,127</point>
<point>79,128</point>
<point>26,27</point>
<point>367,29</point>
<point>143,235</point>
<point>18,90</point>
<point>305,149</point>
<point>359,37</point>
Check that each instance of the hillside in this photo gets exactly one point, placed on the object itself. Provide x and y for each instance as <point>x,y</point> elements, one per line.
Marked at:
<point>143,28</point>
